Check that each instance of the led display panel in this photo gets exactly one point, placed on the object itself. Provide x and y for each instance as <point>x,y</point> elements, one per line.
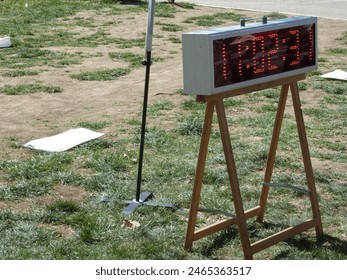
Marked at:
<point>220,60</point>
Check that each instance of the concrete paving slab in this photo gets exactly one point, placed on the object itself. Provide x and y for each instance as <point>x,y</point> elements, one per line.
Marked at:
<point>336,9</point>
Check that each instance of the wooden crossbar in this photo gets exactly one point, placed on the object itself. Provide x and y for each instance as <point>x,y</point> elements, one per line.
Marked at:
<point>282,235</point>
<point>223,224</point>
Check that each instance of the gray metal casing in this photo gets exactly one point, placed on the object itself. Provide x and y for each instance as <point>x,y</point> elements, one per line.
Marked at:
<point>198,61</point>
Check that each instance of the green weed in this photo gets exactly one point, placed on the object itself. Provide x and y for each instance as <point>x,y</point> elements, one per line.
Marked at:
<point>34,187</point>
<point>175,40</point>
<point>134,60</point>
<point>156,108</point>
<point>101,75</point>
<point>339,51</point>
<point>192,105</point>
<point>23,57</point>
<point>130,43</point>
<point>19,73</point>
<point>332,87</point>
<point>165,10</point>
<point>59,211</point>
<point>190,125</point>
<point>216,19</point>
<point>93,125</point>
<point>275,15</point>
<point>170,27</point>
<point>28,89</point>
<point>37,167</point>
<point>109,162</point>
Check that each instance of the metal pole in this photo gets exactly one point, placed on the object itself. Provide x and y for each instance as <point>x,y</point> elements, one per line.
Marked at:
<point>147,62</point>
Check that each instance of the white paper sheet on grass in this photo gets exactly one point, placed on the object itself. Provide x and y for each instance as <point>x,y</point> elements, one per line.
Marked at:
<point>63,141</point>
<point>337,74</point>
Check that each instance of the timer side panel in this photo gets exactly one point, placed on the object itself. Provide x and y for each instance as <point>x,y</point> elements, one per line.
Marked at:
<point>197,64</point>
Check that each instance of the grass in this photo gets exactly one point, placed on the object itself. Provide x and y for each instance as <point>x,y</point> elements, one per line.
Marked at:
<point>157,108</point>
<point>164,10</point>
<point>93,125</point>
<point>170,27</point>
<point>27,89</point>
<point>190,125</point>
<point>19,73</point>
<point>215,19</point>
<point>107,167</point>
<point>101,75</point>
<point>224,17</point>
<point>334,87</point>
<point>339,51</point>
<point>134,60</point>
<point>24,57</point>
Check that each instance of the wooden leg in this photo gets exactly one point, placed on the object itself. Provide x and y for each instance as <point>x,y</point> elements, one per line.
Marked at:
<point>199,174</point>
<point>272,151</point>
<point>234,183</point>
<point>306,158</point>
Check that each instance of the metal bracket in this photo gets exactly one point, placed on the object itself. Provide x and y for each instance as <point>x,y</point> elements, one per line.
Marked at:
<point>243,20</point>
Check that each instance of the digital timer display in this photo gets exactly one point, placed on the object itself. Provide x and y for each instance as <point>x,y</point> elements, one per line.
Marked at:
<point>227,58</point>
<point>257,55</point>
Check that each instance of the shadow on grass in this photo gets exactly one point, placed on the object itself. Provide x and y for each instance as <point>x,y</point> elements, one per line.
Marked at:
<point>323,248</point>
<point>326,247</point>
<point>221,241</point>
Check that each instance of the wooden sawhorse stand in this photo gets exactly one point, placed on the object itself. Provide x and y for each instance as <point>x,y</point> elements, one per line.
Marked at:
<point>216,101</point>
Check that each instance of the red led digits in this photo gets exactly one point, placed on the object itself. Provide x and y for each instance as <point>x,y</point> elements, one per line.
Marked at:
<point>273,52</point>
<point>310,38</point>
<point>239,55</point>
<point>257,55</point>
<point>296,46</point>
<point>224,55</point>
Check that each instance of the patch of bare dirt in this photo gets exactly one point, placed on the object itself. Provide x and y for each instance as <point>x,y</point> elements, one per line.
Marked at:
<point>62,230</point>
<point>328,165</point>
<point>63,192</point>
